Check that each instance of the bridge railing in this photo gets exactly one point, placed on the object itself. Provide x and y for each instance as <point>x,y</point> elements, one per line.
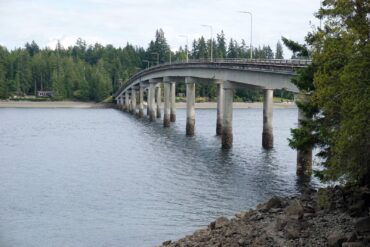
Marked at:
<point>292,62</point>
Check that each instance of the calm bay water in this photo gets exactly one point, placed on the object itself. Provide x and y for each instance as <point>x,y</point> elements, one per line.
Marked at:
<point>100,177</point>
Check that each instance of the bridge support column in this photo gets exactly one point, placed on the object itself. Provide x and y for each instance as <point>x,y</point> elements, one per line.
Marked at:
<point>141,101</point>
<point>190,106</point>
<point>173,102</point>
<point>120,103</point>
<point>267,134</point>
<point>159,100</point>
<point>152,102</point>
<point>127,101</point>
<point>133,101</point>
<point>147,102</point>
<point>304,157</point>
<point>166,110</point>
<point>220,92</point>
<point>227,120</point>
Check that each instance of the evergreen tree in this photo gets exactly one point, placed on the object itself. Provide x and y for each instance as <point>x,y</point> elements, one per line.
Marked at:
<point>279,51</point>
<point>338,82</point>
<point>221,45</point>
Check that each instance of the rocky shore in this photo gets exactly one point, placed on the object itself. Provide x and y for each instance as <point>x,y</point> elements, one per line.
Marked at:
<point>327,217</point>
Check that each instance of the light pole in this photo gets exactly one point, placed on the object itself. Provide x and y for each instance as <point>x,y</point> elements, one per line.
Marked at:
<point>211,40</point>
<point>187,47</point>
<point>251,46</point>
<point>157,56</point>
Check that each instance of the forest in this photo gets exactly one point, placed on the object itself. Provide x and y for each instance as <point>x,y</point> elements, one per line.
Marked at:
<point>93,72</point>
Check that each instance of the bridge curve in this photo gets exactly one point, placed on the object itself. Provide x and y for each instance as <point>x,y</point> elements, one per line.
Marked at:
<point>269,73</point>
<point>228,74</point>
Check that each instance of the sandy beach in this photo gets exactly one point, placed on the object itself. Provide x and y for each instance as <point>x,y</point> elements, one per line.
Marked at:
<point>76,104</point>
<point>50,104</point>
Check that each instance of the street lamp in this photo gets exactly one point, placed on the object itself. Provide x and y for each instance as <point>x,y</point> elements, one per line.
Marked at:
<point>251,46</point>
<point>157,56</point>
<point>211,40</point>
<point>187,47</point>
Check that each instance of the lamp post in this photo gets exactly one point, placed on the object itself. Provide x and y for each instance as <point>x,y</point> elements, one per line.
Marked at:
<point>211,40</point>
<point>157,56</point>
<point>251,46</point>
<point>187,47</point>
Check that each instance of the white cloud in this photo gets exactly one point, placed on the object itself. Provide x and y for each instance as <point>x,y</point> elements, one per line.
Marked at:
<point>135,21</point>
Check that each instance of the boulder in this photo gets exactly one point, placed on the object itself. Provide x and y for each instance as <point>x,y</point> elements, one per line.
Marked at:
<point>280,223</point>
<point>167,242</point>
<point>295,209</point>
<point>336,238</point>
<point>220,222</point>
<point>292,229</point>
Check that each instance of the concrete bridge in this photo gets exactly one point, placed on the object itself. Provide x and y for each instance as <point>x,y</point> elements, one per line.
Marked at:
<point>228,74</point>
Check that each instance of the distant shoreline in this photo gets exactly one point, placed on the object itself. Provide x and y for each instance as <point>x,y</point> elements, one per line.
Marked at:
<point>51,104</point>
<point>87,105</point>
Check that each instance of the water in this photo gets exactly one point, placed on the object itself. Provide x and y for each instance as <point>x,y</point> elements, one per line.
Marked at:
<point>100,177</point>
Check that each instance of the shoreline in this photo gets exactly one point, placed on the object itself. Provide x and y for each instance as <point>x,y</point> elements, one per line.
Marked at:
<point>52,104</point>
<point>92,105</point>
<point>327,217</point>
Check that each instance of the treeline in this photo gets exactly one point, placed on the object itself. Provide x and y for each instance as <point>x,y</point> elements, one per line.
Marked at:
<point>93,72</point>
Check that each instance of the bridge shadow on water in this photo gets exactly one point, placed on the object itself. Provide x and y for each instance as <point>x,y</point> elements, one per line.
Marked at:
<point>202,154</point>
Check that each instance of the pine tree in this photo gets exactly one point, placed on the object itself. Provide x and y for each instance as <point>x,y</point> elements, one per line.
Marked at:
<point>338,82</point>
<point>279,51</point>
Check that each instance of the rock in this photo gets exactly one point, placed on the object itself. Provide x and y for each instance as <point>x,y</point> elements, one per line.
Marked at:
<point>230,232</point>
<point>242,242</point>
<point>212,225</point>
<point>351,237</point>
<point>280,223</point>
<point>167,242</point>
<point>275,210</point>
<point>362,224</point>
<point>308,215</point>
<point>295,210</point>
<point>275,202</point>
<point>357,209</point>
<point>353,244</point>
<point>257,216</point>
<point>220,222</point>
<point>336,238</point>
<point>292,229</point>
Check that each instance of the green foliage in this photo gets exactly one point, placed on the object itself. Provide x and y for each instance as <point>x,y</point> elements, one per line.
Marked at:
<point>92,72</point>
<point>338,82</point>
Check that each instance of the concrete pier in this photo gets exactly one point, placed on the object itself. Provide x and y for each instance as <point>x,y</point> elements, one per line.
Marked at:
<point>304,157</point>
<point>190,106</point>
<point>152,102</point>
<point>141,101</point>
<point>173,102</point>
<point>267,135</point>
<point>227,120</point>
<point>127,101</point>
<point>147,102</point>
<point>133,101</point>
<point>166,111</point>
<point>159,100</point>
<point>220,92</point>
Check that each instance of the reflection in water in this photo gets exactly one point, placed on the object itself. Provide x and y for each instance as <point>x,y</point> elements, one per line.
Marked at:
<point>100,177</point>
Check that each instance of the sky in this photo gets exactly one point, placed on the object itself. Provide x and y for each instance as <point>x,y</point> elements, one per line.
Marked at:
<point>117,22</point>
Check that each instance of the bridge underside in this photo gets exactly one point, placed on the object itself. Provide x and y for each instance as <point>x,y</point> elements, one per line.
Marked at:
<point>228,79</point>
